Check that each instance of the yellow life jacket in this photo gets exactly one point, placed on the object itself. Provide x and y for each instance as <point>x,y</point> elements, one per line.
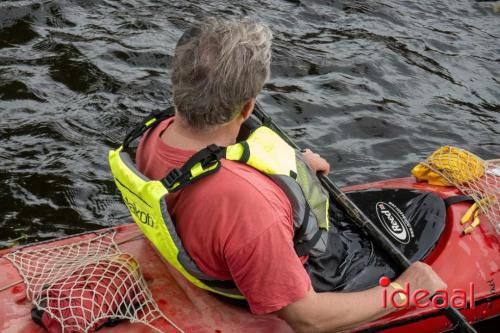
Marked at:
<point>265,151</point>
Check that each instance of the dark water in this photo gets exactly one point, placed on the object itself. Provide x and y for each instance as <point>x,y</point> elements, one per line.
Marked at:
<point>374,86</point>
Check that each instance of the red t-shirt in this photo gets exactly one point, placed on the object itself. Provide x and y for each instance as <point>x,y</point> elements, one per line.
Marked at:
<point>236,224</point>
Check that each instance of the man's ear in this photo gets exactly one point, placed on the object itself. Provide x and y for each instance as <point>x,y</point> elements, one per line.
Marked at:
<point>247,109</point>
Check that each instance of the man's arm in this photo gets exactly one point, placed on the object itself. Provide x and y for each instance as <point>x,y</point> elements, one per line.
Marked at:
<point>334,311</point>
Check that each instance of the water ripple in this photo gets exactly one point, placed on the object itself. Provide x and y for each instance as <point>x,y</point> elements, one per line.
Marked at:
<point>374,86</point>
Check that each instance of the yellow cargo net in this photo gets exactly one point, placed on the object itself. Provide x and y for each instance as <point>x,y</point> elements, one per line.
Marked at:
<point>84,286</point>
<point>473,176</point>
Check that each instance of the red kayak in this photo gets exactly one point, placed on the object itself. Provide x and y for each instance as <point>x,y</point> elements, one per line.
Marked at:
<point>461,261</point>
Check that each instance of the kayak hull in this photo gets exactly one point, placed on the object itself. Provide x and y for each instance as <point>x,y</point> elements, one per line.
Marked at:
<point>460,260</point>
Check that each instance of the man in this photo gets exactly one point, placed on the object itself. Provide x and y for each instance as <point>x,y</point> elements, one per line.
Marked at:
<point>236,224</point>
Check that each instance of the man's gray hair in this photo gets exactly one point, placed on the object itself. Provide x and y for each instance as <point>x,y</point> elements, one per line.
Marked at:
<point>218,66</point>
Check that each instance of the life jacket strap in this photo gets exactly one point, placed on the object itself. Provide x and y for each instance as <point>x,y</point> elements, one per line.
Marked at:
<point>300,232</point>
<point>148,122</point>
<point>201,164</point>
<point>304,248</point>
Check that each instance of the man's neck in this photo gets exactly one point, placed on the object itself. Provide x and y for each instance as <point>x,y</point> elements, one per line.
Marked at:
<point>181,136</point>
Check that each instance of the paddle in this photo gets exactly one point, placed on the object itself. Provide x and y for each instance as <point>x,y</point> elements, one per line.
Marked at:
<point>365,223</point>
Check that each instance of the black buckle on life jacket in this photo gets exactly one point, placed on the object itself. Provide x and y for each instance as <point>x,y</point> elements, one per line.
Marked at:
<point>208,158</point>
<point>213,154</point>
<point>173,177</point>
<point>214,149</point>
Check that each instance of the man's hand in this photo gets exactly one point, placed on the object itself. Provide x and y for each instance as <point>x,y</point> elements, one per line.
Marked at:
<point>338,311</point>
<point>421,276</point>
<point>316,162</point>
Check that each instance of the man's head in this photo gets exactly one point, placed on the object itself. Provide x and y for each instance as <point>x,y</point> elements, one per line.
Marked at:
<point>219,67</point>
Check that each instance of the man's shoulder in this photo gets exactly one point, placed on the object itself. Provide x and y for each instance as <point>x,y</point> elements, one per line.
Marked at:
<point>244,189</point>
<point>240,180</point>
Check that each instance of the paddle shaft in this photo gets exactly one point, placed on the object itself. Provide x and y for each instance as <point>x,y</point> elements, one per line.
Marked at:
<point>366,224</point>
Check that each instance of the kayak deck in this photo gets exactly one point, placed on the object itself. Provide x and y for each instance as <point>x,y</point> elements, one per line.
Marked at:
<point>192,309</point>
<point>458,259</point>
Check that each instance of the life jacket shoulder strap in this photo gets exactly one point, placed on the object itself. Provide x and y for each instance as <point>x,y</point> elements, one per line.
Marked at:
<point>147,123</point>
<point>201,164</point>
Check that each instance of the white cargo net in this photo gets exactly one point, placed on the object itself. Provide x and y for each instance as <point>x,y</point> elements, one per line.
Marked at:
<point>84,285</point>
<point>474,177</point>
